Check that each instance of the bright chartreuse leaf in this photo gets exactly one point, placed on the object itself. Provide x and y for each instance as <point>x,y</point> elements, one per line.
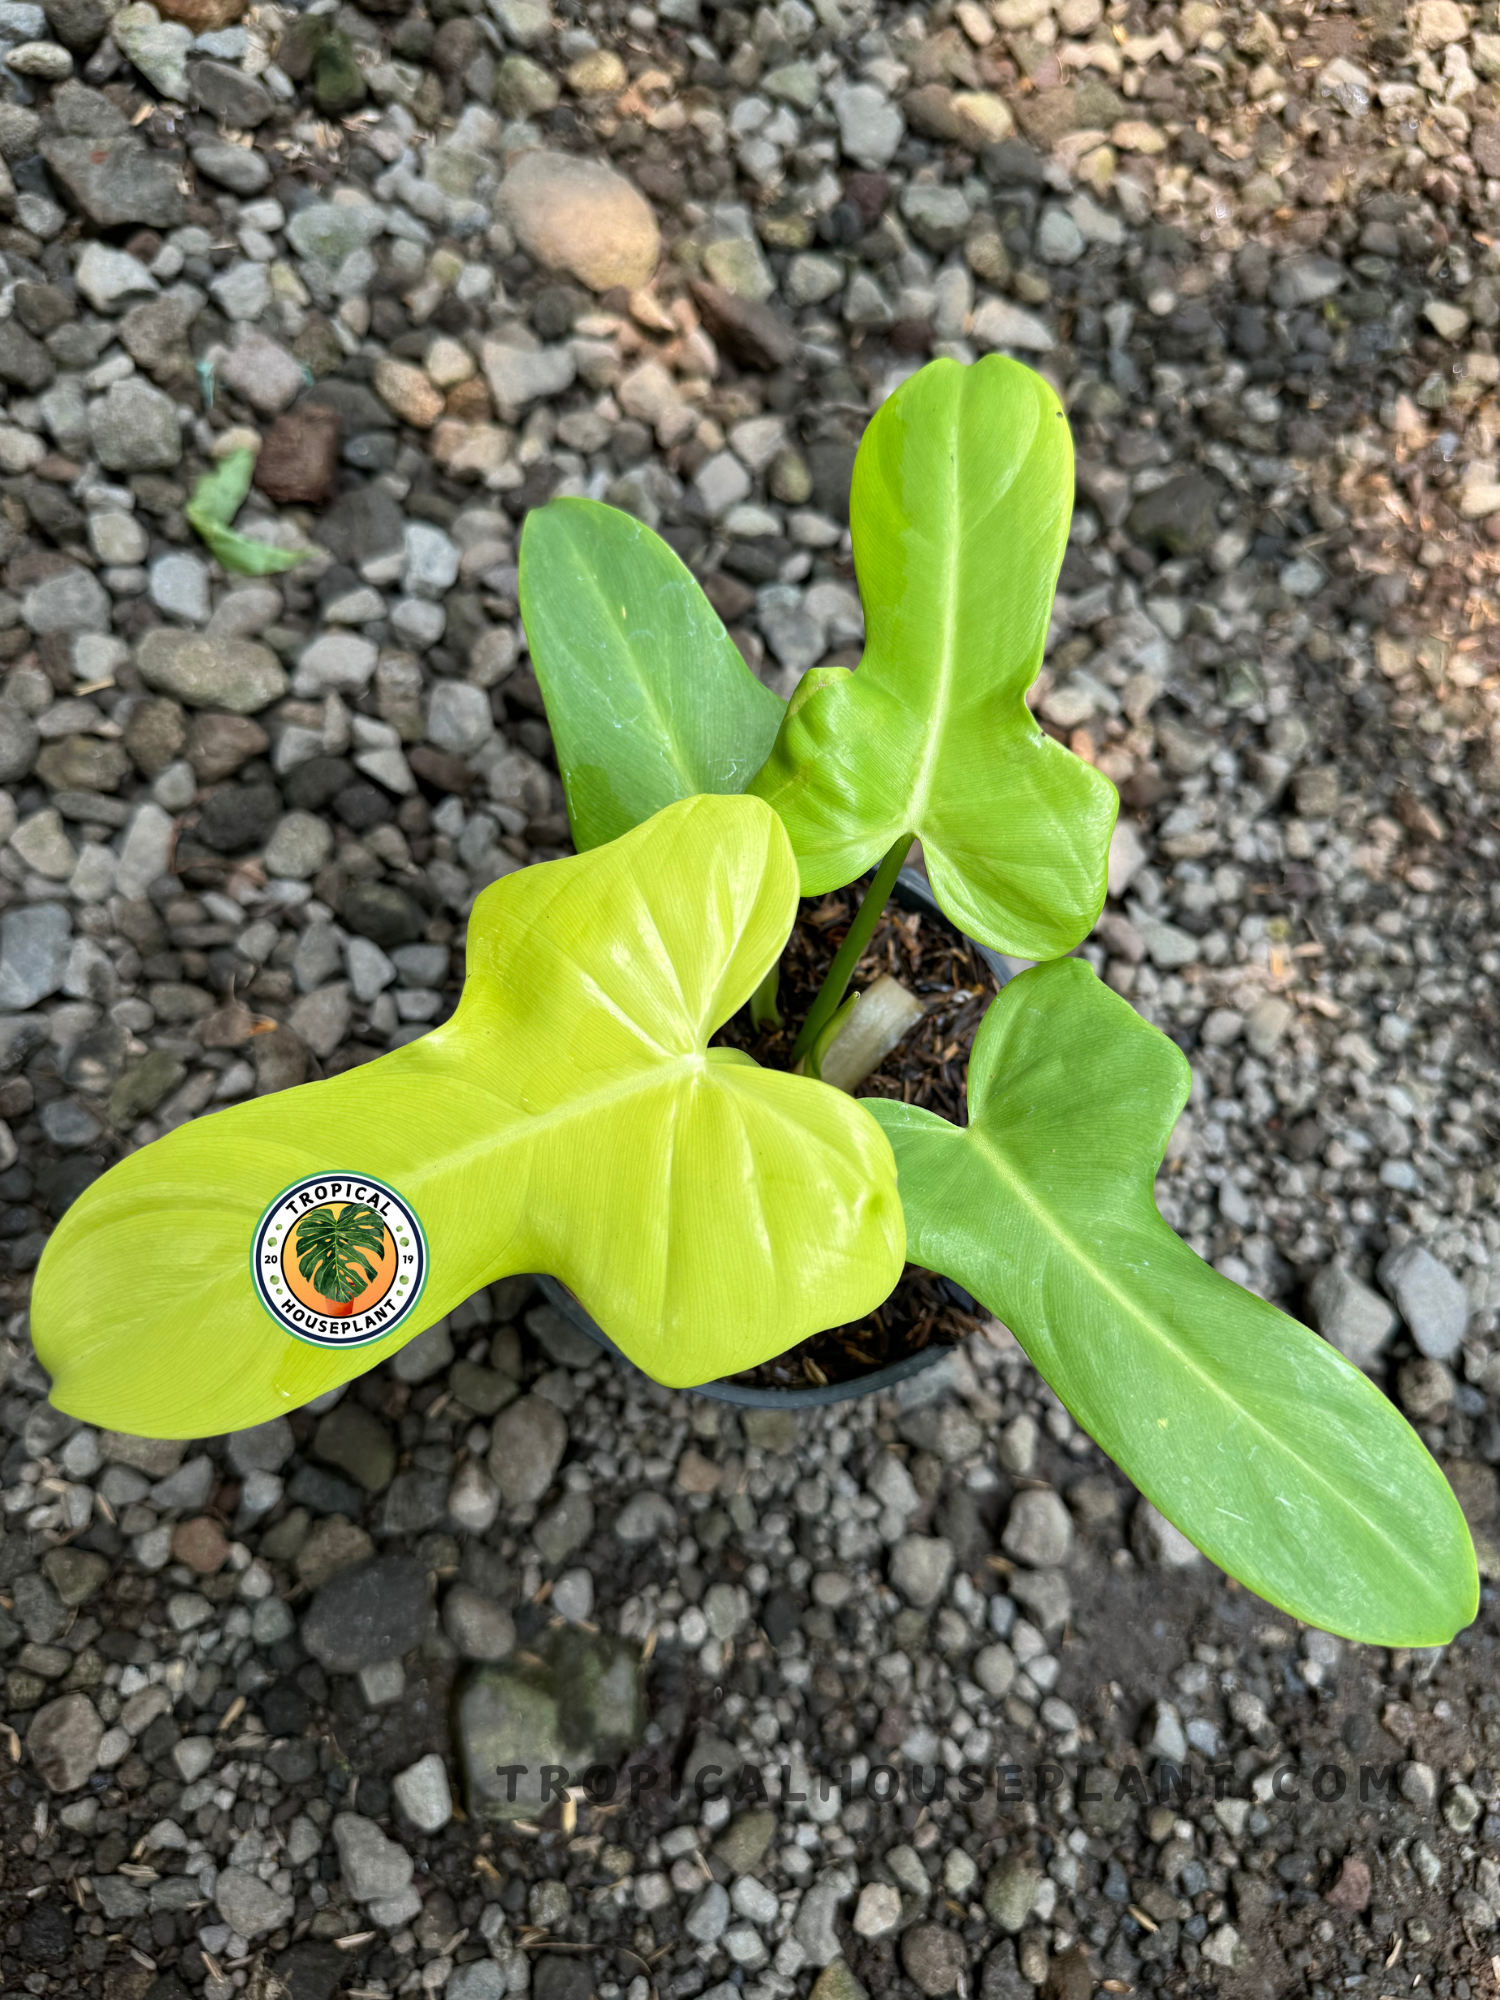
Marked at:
<point>217,498</point>
<point>1265,1447</point>
<point>963,489</point>
<point>647,696</point>
<point>570,1118</point>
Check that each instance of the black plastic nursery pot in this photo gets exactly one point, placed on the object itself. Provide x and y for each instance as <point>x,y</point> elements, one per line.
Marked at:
<point>910,893</point>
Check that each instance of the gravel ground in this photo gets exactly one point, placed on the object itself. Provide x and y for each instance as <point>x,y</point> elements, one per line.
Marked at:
<point>450,264</point>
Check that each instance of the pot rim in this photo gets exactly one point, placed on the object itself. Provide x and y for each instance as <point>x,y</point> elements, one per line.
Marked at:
<point>911,893</point>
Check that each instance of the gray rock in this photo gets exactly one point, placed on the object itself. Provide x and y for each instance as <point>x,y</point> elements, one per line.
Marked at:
<point>415,1501</point>
<point>870,126</point>
<point>564,1528</point>
<point>71,601</point>
<point>35,941</point>
<point>249,1905</point>
<point>934,1959</point>
<point>295,852</point>
<point>112,279</point>
<point>1059,240</point>
<point>117,180</point>
<point>814,1926</point>
<point>945,1429</point>
<point>1307,280</point>
<point>257,368</point>
<point>995,1668</point>
<point>519,377</point>
<point>134,428</point>
<point>580,1705</point>
<point>375,1610</point>
<point>1350,1317</point>
<point>179,586</point>
<point>327,232</point>
<point>458,717</point>
<point>920,1568</point>
<point>1044,1595</point>
<point>1155,1540</point>
<point>526,1448</point>
<point>1001,324</point>
<point>1181,516</point>
<point>937,216</point>
<point>336,663</point>
<point>479,1627</point>
<point>210,672</point>
<point>1038,1530</point>
<point>1430,1299</point>
<point>645,1517</point>
<point>243,292</point>
<point>18,743</point>
<point>357,1442</point>
<point>374,1866</point>
<point>265,1448</point>
<point>423,1794</point>
<point>432,1350</point>
<point>63,1742</point>
<point>1166,1738</point>
<point>480,1979</point>
<point>237,168</point>
<point>1010,1893</point>
<point>232,97</point>
<point>708,1915</point>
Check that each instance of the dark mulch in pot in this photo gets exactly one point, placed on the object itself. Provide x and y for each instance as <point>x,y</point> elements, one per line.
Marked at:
<point>929,1067</point>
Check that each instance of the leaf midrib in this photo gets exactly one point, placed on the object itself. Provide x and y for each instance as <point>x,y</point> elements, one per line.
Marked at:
<point>1051,1226</point>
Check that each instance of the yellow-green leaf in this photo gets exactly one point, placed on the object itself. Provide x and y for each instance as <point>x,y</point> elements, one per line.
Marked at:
<point>217,498</point>
<point>963,489</point>
<point>1266,1448</point>
<point>570,1118</point>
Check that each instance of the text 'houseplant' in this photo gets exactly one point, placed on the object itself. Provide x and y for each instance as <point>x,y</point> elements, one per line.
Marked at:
<point>574,1116</point>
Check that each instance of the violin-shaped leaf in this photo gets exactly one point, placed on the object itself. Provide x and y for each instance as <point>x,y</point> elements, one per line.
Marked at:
<point>1265,1447</point>
<point>647,696</point>
<point>570,1118</point>
<point>217,498</point>
<point>963,489</point>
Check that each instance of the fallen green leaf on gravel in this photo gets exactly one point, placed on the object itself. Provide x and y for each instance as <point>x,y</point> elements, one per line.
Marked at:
<point>217,498</point>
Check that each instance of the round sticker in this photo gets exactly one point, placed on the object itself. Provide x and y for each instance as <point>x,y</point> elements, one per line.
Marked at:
<point>339,1260</point>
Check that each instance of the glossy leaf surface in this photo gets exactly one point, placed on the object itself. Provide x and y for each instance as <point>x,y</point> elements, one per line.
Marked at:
<point>570,1118</point>
<point>217,498</point>
<point>963,489</point>
<point>647,696</point>
<point>1282,1462</point>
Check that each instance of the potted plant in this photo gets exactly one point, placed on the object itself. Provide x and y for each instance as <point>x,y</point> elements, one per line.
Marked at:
<point>577,1116</point>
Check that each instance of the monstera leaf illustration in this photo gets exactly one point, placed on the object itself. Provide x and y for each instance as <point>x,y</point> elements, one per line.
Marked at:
<point>570,1118</point>
<point>331,1247</point>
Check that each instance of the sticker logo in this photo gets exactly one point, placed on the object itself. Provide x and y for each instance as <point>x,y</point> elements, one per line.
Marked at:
<point>339,1260</point>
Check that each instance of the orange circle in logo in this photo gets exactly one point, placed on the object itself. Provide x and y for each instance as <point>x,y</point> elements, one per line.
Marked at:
<point>382,1263</point>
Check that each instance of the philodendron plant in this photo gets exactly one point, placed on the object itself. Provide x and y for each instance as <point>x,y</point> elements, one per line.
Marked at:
<point>576,1117</point>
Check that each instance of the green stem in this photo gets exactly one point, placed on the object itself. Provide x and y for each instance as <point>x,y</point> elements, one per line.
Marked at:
<point>764,1013</point>
<point>836,980</point>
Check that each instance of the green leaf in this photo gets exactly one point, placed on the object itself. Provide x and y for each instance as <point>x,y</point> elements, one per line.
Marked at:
<point>962,493</point>
<point>647,696</point>
<point>1265,1447</point>
<point>217,498</point>
<point>570,1118</point>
